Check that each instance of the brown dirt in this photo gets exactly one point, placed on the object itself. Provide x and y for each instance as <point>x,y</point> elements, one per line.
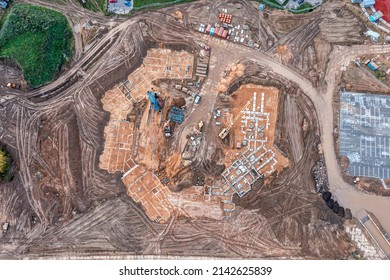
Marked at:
<point>372,185</point>
<point>10,73</point>
<point>239,99</point>
<point>236,71</point>
<point>285,220</point>
<point>284,53</point>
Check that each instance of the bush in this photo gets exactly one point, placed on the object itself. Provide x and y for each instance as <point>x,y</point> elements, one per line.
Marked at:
<point>5,164</point>
<point>326,196</point>
<point>335,207</point>
<point>348,214</point>
<point>330,203</point>
<point>4,161</point>
<point>341,212</point>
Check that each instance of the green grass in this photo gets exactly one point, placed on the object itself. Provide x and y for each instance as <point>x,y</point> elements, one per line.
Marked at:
<point>95,5</point>
<point>38,39</point>
<point>140,3</point>
<point>304,6</point>
<point>277,3</point>
<point>379,74</point>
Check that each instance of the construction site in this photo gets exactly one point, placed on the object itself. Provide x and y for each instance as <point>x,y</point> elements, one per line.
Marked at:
<point>193,131</point>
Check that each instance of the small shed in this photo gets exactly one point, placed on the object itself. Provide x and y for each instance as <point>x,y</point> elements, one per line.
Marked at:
<point>373,66</point>
<point>367,3</point>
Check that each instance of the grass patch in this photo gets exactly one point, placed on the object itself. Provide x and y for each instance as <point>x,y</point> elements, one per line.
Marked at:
<point>273,3</point>
<point>141,3</point>
<point>95,5</point>
<point>277,3</point>
<point>38,39</point>
<point>380,74</point>
<point>304,6</point>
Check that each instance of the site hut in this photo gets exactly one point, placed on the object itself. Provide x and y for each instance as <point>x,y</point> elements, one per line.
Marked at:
<point>201,70</point>
<point>367,3</point>
<point>375,16</point>
<point>374,36</point>
<point>373,66</point>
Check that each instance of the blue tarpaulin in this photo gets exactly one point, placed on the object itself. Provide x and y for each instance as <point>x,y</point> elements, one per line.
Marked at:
<point>153,100</point>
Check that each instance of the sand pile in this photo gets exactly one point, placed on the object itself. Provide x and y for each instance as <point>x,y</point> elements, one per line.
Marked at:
<point>235,72</point>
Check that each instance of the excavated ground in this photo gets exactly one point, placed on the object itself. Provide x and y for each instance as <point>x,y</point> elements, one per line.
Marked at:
<point>63,202</point>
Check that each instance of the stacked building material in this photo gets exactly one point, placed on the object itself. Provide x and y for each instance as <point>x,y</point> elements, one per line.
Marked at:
<point>225,18</point>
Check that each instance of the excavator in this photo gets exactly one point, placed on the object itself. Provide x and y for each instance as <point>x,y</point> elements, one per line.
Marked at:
<point>226,130</point>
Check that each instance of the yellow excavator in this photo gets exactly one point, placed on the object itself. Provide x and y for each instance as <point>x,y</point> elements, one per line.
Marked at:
<point>226,130</point>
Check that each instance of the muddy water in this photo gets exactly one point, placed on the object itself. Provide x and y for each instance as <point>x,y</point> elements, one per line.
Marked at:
<point>356,200</point>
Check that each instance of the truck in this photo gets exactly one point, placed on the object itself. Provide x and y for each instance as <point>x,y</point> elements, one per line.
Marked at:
<point>167,129</point>
<point>197,99</point>
<point>5,228</point>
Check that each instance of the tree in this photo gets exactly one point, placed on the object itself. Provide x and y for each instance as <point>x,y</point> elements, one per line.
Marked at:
<point>341,212</point>
<point>330,203</point>
<point>5,164</point>
<point>348,214</point>
<point>335,207</point>
<point>326,196</point>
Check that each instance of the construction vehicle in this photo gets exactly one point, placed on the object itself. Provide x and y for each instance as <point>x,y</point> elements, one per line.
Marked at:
<point>156,100</point>
<point>226,130</point>
<point>201,124</point>
<point>5,228</point>
<point>167,128</point>
<point>13,86</point>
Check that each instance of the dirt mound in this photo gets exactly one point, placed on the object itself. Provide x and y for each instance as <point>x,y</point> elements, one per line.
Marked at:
<point>285,54</point>
<point>178,14</point>
<point>172,164</point>
<point>235,72</point>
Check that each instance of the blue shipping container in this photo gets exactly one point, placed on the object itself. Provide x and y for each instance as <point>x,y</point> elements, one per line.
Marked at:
<point>372,67</point>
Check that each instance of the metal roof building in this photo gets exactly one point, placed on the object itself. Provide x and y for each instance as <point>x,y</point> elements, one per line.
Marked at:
<point>176,115</point>
<point>367,3</point>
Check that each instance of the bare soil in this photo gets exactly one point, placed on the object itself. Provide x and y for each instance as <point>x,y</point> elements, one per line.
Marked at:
<point>63,204</point>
